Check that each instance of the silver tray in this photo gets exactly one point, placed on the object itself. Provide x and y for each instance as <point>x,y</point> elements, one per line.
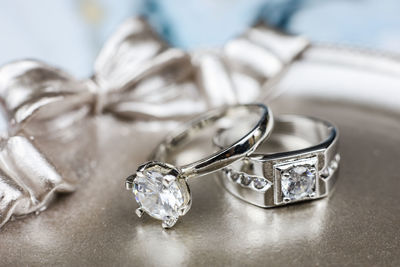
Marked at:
<point>357,225</point>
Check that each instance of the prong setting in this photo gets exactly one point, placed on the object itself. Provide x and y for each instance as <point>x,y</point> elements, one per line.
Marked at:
<point>169,223</point>
<point>139,212</point>
<point>297,180</point>
<point>161,192</point>
<point>129,182</point>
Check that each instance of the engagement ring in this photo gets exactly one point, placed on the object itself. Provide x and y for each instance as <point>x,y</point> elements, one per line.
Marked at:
<point>161,189</point>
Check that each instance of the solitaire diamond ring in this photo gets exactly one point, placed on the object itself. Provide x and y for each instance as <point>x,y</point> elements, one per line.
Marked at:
<point>298,162</point>
<point>161,189</point>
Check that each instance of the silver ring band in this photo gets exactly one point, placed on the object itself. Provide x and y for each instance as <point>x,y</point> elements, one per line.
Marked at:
<point>161,189</point>
<point>301,163</point>
<point>239,148</point>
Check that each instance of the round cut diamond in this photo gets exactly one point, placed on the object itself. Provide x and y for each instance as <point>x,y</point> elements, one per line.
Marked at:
<point>159,192</point>
<point>245,179</point>
<point>298,182</point>
<point>259,183</point>
<point>235,176</point>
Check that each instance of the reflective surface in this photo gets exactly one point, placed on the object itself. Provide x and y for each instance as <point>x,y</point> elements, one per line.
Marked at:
<point>357,225</point>
<point>291,175</point>
<point>255,133</point>
<point>136,76</point>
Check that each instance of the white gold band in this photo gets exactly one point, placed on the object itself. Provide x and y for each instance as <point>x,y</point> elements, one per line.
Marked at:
<point>303,165</point>
<point>161,189</point>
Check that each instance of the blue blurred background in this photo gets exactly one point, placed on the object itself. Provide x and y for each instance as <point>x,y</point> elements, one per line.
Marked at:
<point>69,33</point>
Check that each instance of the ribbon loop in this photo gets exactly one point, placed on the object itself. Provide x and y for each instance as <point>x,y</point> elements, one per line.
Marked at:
<point>136,75</point>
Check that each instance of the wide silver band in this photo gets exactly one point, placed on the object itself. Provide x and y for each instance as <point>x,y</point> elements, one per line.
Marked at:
<point>298,162</point>
<point>161,189</point>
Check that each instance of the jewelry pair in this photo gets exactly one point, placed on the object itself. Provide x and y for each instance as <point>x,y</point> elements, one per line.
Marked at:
<point>271,163</point>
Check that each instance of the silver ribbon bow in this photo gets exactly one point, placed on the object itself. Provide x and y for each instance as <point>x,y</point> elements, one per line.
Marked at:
<point>136,75</point>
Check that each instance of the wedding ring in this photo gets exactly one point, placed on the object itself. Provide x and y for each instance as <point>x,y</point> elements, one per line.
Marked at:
<point>161,189</point>
<point>298,162</point>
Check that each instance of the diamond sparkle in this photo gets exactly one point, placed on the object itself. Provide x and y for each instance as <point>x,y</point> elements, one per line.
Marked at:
<point>298,182</point>
<point>160,193</point>
<point>259,183</point>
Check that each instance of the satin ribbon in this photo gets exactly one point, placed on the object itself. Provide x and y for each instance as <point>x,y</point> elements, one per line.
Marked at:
<point>136,75</point>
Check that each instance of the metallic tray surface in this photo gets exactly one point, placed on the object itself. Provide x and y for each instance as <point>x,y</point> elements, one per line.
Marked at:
<point>357,225</point>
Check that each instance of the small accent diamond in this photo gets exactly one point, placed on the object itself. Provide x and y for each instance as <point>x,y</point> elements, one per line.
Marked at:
<point>245,179</point>
<point>235,176</point>
<point>259,183</point>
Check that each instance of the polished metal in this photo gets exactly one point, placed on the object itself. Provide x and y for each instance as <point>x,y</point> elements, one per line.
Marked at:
<point>38,99</point>
<point>355,226</point>
<point>229,153</point>
<point>296,142</point>
<point>136,76</point>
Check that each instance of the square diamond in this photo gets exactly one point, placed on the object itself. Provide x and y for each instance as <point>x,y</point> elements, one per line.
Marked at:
<point>296,179</point>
